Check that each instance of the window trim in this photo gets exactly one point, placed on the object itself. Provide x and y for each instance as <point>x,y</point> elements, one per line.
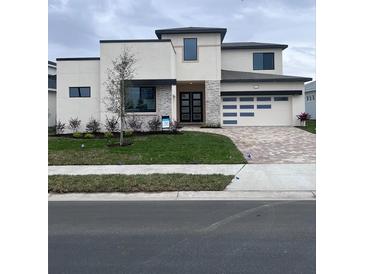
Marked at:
<point>263,53</point>
<point>196,49</point>
<point>144,111</point>
<point>69,92</point>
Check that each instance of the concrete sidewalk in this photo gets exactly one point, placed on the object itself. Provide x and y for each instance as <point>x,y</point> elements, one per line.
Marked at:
<point>275,177</point>
<point>185,195</point>
<point>144,169</point>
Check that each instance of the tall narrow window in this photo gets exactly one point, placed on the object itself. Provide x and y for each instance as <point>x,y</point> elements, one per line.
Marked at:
<point>263,61</point>
<point>190,49</point>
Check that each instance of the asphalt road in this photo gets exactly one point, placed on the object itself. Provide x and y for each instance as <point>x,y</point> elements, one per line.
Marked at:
<point>182,237</point>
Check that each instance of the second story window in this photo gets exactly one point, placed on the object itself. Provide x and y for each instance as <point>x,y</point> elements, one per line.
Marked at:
<point>263,61</point>
<point>190,49</point>
<point>79,91</point>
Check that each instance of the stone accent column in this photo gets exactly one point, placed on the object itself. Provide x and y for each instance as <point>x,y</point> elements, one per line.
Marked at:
<point>212,102</point>
<point>163,100</point>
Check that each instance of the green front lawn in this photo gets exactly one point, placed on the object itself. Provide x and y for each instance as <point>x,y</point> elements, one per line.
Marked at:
<point>310,126</point>
<point>186,148</point>
<point>137,183</point>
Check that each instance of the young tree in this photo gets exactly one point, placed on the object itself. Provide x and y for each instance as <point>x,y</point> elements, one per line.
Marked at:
<point>117,82</point>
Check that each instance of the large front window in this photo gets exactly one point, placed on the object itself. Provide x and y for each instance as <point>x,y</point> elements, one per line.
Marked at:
<point>190,49</point>
<point>263,61</point>
<point>141,99</point>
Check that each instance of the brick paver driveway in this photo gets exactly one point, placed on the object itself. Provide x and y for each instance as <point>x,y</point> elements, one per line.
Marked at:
<point>270,145</point>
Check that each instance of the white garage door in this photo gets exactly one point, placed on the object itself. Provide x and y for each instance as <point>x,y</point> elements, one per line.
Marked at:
<point>256,110</point>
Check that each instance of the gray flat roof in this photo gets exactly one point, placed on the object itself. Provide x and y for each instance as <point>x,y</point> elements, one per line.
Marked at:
<point>253,45</point>
<point>188,30</point>
<point>231,76</point>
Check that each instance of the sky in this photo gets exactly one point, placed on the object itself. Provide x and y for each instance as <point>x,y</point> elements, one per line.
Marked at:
<point>76,26</point>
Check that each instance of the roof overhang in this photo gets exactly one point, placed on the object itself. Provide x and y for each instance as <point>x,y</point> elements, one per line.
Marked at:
<point>152,82</point>
<point>135,41</point>
<point>78,59</point>
<point>191,30</point>
<point>299,79</point>
<point>248,45</point>
<point>262,92</point>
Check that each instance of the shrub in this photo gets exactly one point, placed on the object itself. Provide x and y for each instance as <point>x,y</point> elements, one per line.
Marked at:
<point>89,136</point>
<point>93,126</point>
<point>154,124</point>
<point>127,133</point>
<point>211,125</point>
<point>135,123</point>
<point>108,135</point>
<point>304,116</point>
<point>111,124</point>
<point>60,127</point>
<point>77,134</point>
<point>74,124</point>
<point>174,125</point>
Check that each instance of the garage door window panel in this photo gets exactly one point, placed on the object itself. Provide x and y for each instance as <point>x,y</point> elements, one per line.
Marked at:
<point>246,106</point>
<point>230,122</point>
<point>229,114</point>
<point>263,99</point>
<point>229,107</point>
<point>247,114</point>
<point>281,99</point>
<point>263,106</point>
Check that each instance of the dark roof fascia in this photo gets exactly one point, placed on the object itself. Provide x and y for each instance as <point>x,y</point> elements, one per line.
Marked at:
<point>78,59</point>
<point>294,79</point>
<point>136,41</point>
<point>262,92</point>
<point>222,31</point>
<point>227,47</point>
<point>153,82</point>
<point>52,63</point>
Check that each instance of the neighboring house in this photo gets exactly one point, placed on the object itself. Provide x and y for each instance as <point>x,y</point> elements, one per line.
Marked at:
<point>310,99</point>
<point>52,71</point>
<point>190,75</point>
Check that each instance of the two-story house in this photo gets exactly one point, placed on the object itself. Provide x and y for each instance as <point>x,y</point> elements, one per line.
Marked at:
<point>190,75</point>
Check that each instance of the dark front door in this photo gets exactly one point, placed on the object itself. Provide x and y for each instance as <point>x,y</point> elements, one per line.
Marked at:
<point>191,106</point>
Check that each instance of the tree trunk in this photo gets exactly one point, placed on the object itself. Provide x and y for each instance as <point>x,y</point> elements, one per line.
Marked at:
<point>121,112</point>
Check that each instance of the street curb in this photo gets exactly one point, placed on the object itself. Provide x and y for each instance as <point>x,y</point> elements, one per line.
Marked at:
<point>185,196</point>
<point>225,169</point>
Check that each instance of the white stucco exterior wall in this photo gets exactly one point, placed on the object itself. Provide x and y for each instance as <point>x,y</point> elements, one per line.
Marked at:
<point>208,65</point>
<point>242,60</point>
<point>154,60</point>
<point>79,73</point>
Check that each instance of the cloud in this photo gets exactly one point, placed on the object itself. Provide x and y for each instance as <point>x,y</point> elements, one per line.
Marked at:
<point>75,27</point>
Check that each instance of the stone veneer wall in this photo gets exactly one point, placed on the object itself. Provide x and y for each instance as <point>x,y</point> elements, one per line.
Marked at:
<point>212,102</point>
<point>163,107</point>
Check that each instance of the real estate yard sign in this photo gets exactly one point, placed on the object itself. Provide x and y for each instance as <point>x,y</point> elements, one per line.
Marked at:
<point>165,122</point>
